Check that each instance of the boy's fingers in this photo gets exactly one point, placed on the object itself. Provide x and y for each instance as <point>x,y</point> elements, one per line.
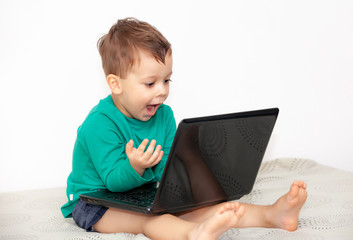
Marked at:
<point>156,155</point>
<point>129,146</point>
<point>150,149</point>
<point>159,158</point>
<point>143,145</point>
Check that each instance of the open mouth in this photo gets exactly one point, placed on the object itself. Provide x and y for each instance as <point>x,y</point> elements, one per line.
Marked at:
<point>152,109</point>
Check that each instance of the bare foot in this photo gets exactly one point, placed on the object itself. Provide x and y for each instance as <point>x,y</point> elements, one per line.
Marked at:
<point>287,208</point>
<point>225,218</point>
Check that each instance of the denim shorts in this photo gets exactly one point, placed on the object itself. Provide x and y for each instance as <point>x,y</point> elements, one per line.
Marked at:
<point>86,215</point>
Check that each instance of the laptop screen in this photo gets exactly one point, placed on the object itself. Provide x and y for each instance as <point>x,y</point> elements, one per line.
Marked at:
<point>214,159</point>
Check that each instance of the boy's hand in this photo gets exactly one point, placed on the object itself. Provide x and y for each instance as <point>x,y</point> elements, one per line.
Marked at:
<point>141,159</point>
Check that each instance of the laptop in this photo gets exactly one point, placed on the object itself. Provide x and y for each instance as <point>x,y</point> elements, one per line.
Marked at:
<point>213,159</point>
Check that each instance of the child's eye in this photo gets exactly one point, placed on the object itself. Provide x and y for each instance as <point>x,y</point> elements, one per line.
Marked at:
<point>149,84</point>
<point>167,80</point>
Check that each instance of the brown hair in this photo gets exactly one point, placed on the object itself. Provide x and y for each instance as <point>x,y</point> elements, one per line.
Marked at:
<point>119,47</point>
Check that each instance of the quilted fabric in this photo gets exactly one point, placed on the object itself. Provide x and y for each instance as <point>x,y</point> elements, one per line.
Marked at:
<point>327,214</point>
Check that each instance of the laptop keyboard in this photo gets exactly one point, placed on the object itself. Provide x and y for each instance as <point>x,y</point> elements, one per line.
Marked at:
<point>143,198</point>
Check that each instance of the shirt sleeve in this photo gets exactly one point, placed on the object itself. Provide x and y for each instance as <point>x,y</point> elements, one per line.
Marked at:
<point>106,148</point>
<point>169,138</point>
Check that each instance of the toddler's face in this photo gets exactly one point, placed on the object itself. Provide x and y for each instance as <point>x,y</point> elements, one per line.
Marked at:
<point>146,87</point>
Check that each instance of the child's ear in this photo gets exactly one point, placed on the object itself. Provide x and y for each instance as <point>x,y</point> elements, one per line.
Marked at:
<point>114,83</point>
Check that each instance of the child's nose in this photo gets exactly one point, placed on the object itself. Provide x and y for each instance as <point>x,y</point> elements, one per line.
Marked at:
<point>163,91</point>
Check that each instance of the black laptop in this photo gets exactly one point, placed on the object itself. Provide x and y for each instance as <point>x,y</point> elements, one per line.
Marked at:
<point>213,159</point>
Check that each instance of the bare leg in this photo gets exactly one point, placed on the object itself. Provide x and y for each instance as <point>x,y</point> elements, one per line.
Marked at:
<point>168,226</point>
<point>283,213</point>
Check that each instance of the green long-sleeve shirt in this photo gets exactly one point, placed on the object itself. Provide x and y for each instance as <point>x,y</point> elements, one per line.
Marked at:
<point>99,158</point>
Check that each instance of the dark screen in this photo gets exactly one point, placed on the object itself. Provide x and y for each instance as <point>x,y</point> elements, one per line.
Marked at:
<point>214,161</point>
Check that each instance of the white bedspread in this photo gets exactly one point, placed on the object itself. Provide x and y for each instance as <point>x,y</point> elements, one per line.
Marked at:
<point>327,214</point>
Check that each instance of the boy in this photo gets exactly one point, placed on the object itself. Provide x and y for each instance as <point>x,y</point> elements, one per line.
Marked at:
<point>113,149</point>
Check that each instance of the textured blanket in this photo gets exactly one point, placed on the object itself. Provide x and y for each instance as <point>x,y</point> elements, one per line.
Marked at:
<point>327,213</point>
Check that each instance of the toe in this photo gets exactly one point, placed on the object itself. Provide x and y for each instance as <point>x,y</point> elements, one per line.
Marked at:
<point>294,190</point>
<point>240,211</point>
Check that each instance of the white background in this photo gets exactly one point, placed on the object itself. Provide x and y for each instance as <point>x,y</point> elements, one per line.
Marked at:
<point>228,56</point>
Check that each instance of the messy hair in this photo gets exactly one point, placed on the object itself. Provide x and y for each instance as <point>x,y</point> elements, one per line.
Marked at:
<point>119,47</point>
